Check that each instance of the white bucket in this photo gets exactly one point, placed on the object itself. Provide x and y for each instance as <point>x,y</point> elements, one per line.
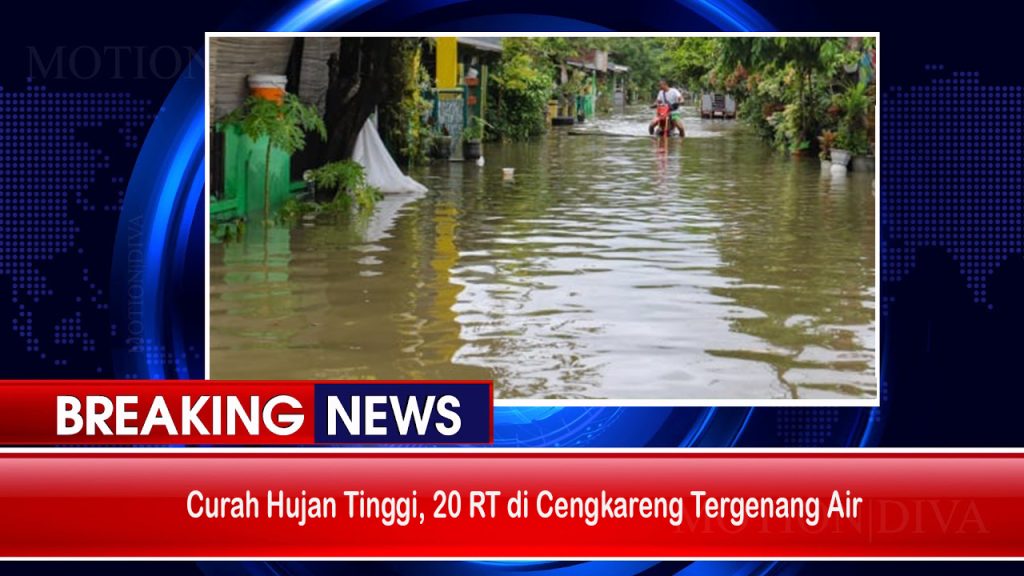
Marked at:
<point>267,81</point>
<point>268,86</point>
<point>508,173</point>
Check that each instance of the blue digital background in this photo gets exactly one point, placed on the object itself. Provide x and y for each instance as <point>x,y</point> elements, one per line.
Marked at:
<point>108,281</point>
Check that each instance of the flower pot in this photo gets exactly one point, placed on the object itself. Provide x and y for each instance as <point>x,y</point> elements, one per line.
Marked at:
<point>268,86</point>
<point>863,164</point>
<point>442,147</point>
<point>851,68</point>
<point>840,157</point>
<point>826,165</point>
<point>471,149</point>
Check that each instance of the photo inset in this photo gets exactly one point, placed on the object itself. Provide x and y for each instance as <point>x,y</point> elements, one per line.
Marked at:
<point>673,219</point>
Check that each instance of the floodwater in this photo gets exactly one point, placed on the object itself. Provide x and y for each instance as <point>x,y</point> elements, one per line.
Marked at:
<point>612,265</point>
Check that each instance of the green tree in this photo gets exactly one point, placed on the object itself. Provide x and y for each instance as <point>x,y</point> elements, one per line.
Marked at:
<point>648,61</point>
<point>795,63</point>
<point>524,88</point>
<point>690,60</point>
<point>401,123</point>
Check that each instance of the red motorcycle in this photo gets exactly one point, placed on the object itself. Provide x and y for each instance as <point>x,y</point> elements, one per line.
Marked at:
<point>662,124</point>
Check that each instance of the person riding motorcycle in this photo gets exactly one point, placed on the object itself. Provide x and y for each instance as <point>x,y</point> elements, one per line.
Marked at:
<point>673,98</point>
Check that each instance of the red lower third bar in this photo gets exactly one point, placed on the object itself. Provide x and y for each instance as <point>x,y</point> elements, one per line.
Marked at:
<point>489,504</point>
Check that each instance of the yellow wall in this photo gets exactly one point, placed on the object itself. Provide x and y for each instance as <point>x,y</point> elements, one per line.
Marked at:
<point>447,63</point>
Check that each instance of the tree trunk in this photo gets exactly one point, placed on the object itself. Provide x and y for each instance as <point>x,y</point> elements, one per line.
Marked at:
<point>293,71</point>
<point>294,68</point>
<point>360,79</point>
<point>364,73</point>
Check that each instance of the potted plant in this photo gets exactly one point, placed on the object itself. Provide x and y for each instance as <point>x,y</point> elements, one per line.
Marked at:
<point>283,123</point>
<point>852,138</point>
<point>850,61</point>
<point>441,146</point>
<point>471,138</point>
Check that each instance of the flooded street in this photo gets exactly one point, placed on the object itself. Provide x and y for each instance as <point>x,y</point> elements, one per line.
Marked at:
<point>608,267</point>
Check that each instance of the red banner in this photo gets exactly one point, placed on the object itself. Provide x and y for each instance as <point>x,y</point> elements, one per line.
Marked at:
<point>491,504</point>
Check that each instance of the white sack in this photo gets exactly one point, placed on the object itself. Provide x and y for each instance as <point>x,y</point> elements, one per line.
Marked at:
<point>381,170</point>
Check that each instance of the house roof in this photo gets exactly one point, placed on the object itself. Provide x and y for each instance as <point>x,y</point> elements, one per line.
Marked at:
<point>612,67</point>
<point>485,43</point>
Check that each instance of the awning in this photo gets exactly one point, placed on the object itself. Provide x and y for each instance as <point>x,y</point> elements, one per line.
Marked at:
<point>485,43</point>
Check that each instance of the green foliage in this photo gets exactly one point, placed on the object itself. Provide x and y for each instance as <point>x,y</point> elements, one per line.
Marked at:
<point>795,90</point>
<point>339,176</point>
<point>835,55</point>
<point>853,134</point>
<point>648,60</point>
<point>225,231</point>
<point>347,180</point>
<point>525,80</point>
<point>294,210</point>
<point>690,60</point>
<point>284,124</point>
<point>474,129</point>
<point>576,83</point>
<point>789,134</point>
<point>402,120</point>
<point>789,89</point>
<point>604,95</point>
<point>524,87</point>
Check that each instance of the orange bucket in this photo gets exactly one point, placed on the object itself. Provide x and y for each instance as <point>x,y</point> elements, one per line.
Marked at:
<point>268,86</point>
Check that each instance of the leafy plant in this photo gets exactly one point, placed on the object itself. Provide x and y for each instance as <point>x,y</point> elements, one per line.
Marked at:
<point>853,141</point>
<point>474,130</point>
<point>294,210</point>
<point>689,60</point>
<point>524,88</point>
<point>853,134</point>
<point>348,181</point>
<point>789,136</point>
<point>849,58</point>
<point>284,125</point>
<point>223,231</point>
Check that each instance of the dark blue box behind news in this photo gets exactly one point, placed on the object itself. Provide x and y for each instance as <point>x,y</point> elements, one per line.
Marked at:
<point>474,412</point>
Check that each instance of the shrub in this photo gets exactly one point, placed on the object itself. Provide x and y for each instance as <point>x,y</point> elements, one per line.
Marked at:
<point>347,180</point>
<point>523,95</point>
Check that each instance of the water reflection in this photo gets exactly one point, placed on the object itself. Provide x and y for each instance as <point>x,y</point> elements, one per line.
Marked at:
<point>611,265</point>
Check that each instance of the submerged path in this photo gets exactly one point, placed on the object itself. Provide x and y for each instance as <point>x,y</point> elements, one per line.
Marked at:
<point>607,268</point>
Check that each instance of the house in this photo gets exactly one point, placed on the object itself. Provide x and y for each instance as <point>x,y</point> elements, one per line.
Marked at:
<point>607,86</point>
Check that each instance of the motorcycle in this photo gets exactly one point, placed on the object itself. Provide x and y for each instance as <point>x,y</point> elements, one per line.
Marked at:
<point>662,125</point>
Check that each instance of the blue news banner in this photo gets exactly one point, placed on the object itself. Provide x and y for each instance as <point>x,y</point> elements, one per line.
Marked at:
<point>436,413</point>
